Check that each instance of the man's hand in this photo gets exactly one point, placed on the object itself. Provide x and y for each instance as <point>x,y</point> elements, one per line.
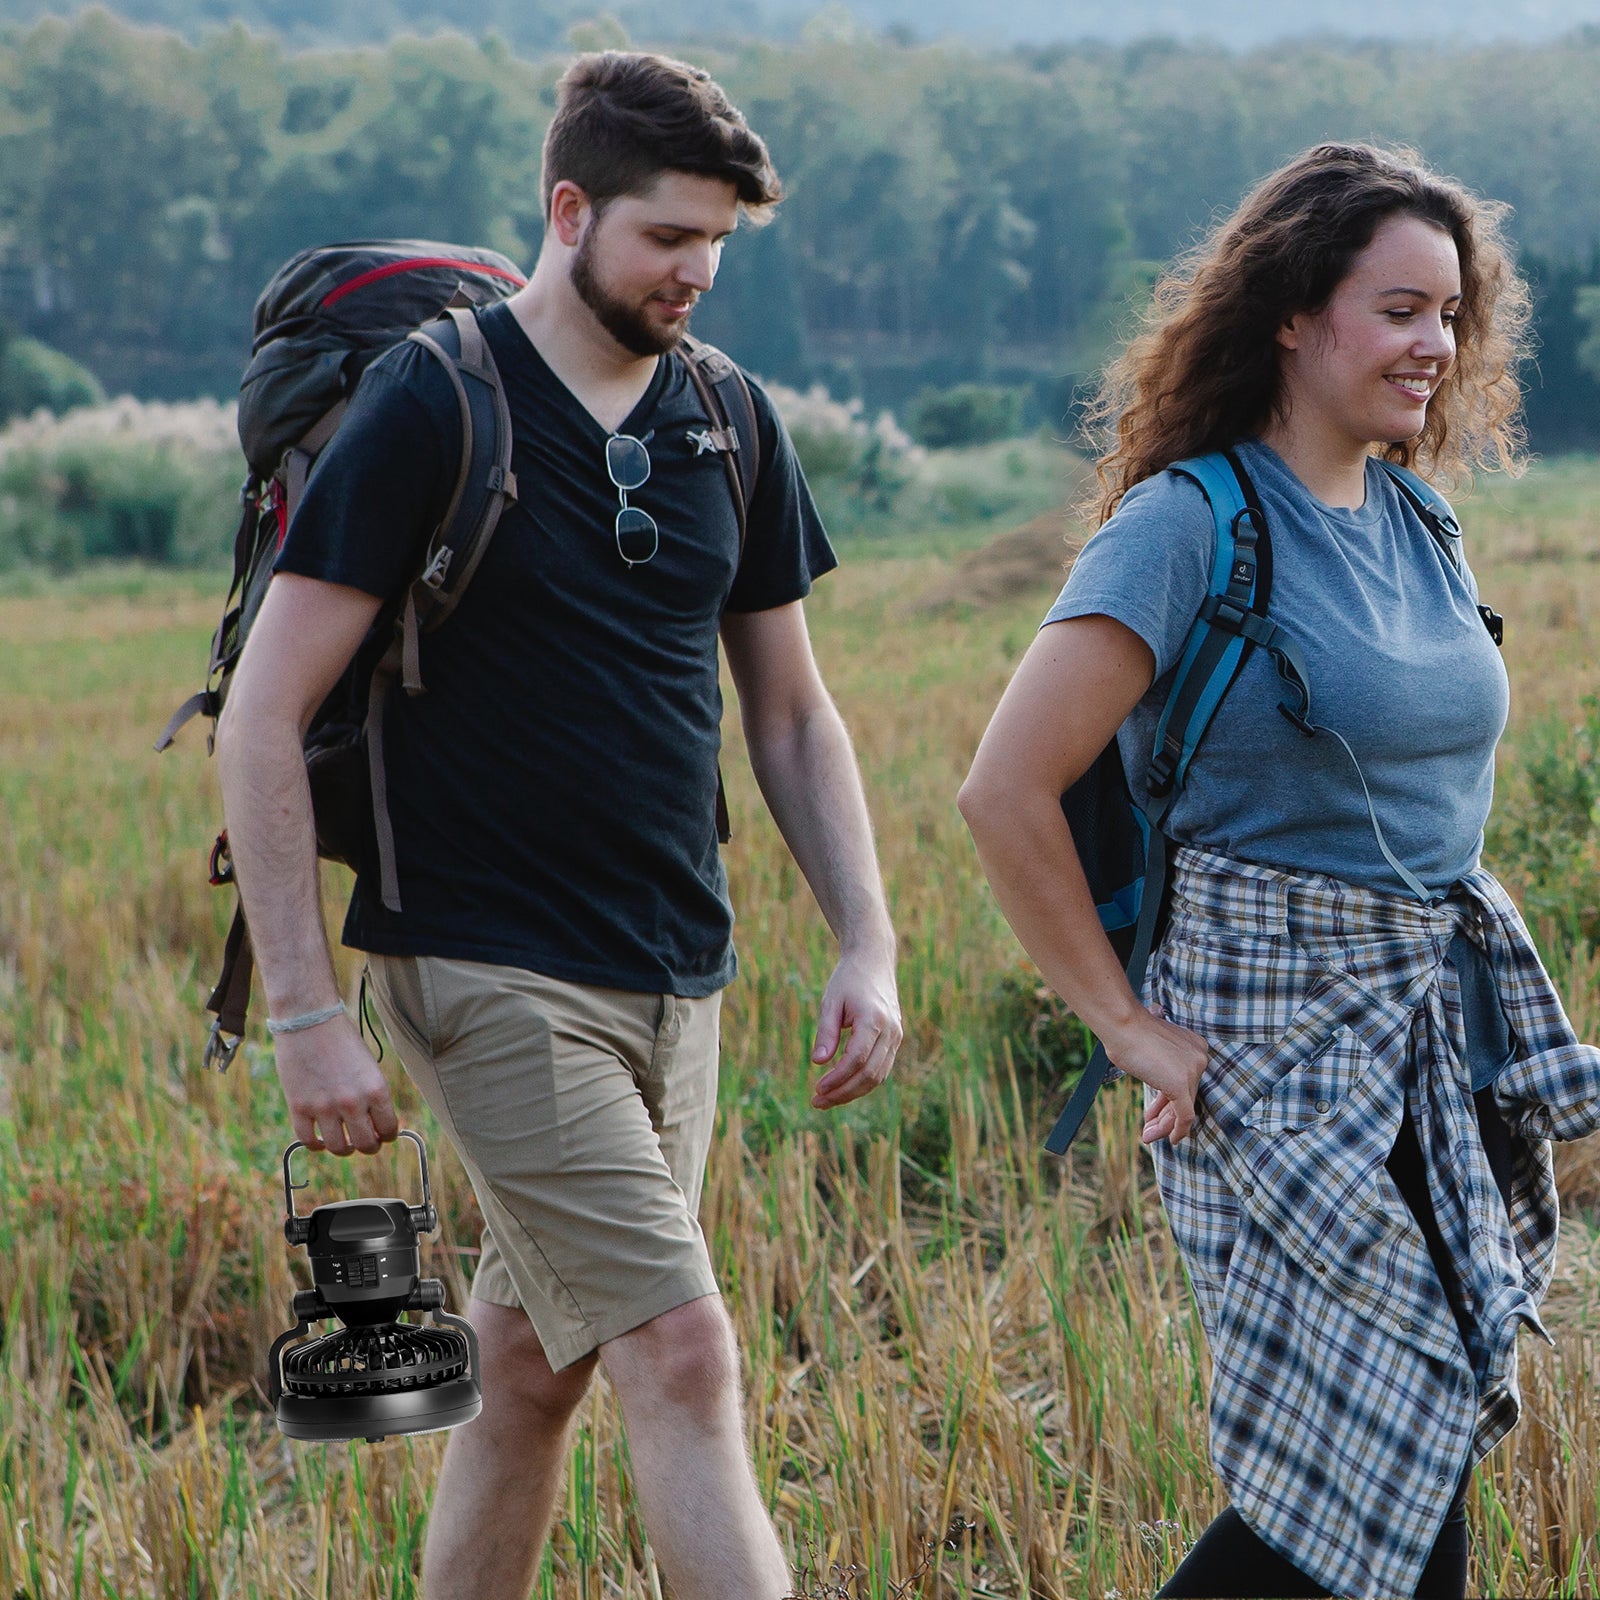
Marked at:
<point>338,1099</point>
<point>862,999</point>
<point>801,756</point>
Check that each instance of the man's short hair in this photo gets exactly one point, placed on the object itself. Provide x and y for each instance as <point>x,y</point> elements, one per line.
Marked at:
<point>625,117</point>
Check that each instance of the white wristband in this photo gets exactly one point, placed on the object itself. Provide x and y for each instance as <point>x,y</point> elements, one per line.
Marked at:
<point>311,1019</point>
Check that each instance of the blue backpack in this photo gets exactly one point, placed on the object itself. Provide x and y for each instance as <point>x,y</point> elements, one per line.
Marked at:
<point>1122,844</point>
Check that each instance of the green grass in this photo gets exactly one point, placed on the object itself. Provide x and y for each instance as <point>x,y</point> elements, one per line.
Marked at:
<point>940,1324</point>
<point>959,498</point>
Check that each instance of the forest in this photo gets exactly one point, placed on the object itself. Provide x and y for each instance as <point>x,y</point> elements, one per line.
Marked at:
<point>535,25</point>
<point>953,215</point>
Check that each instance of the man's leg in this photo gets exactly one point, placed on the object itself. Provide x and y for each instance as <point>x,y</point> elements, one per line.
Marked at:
<point>583,1117</point>
<point>501,1474</point>
<point>677,1378</point>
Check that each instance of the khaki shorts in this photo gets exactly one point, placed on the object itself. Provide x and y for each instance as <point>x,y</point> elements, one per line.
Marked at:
<point>583,1117</point>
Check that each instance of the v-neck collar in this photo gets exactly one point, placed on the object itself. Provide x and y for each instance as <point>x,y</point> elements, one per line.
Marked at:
<point>642,407</point>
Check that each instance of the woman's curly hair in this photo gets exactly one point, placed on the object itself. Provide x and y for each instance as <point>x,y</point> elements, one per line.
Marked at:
<point>1203,371</point>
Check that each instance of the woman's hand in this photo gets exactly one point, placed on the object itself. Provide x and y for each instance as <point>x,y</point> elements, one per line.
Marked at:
<point>1168,1058</point>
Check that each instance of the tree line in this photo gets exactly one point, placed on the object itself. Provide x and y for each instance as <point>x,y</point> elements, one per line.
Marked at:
<point>952,216</point>
<point>541,25</point>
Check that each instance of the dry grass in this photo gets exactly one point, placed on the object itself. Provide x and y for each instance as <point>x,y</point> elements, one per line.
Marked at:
<point>1013,563</point>
<point>941,1326</point>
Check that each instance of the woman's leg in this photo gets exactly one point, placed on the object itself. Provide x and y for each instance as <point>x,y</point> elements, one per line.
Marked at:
<point>1231,1560</point>
<point>1445,1576</point>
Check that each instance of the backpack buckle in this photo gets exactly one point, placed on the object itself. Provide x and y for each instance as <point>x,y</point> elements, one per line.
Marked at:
<point>1163,766</point>
<point>221,1047</point>
<point>434,574</point>
<point>221,872</point>
<point>1298,718</point>
<point>1224,612</point>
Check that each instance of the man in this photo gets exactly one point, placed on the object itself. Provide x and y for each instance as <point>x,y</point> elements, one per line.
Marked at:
<point>551,981</point>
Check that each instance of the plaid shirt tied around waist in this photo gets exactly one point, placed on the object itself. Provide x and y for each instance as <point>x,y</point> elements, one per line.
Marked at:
<point>1351,1390</point>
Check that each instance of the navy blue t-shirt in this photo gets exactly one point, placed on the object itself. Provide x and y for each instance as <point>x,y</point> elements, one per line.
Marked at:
<point>553,793</point>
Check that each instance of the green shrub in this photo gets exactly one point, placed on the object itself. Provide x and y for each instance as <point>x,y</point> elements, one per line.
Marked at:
<point>855,468</point>
<point>34,377</point>
<point>970,413</point>
<point>986,488</point>
<point>123,482</point>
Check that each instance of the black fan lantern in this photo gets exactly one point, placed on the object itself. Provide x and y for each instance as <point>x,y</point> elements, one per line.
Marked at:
<point>376,1376</point>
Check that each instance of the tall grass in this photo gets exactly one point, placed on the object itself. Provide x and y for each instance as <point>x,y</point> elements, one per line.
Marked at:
<point>941,1327</point>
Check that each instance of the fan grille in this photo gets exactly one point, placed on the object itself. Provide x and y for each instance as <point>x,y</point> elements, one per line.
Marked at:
<point>388,1359</point>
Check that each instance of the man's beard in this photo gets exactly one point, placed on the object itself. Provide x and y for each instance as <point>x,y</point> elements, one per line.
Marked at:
<point>628,325</point>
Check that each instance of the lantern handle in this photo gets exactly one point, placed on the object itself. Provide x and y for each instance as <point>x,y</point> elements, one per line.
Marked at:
<point>424,1218</point>
<point>297,1228</point>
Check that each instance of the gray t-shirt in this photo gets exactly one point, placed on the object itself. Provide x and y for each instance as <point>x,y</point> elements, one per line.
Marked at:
<point>1398,659</point>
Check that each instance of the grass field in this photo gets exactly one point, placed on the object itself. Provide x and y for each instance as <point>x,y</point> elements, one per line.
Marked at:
<point>943,1327</point>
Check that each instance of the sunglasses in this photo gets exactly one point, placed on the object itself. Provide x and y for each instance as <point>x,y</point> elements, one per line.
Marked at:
<point>628,466</point>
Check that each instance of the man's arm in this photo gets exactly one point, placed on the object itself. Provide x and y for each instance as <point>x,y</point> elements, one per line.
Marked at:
<point>801,756</point>
<point>304,636</point>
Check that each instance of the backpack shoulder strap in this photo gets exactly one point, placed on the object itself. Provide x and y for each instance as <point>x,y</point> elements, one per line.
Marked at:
<point>1229,492</point>
<point>734,434</point>
<point>1440,521</point>
<point>485,485</point>
<point>1239,588</point>
<point>1431,506</point>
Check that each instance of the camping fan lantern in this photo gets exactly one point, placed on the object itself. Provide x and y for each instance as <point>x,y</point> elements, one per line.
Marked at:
<point>376,1375</point>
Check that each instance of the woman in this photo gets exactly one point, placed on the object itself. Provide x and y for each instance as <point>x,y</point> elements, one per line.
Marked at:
<point>1361,1196</point>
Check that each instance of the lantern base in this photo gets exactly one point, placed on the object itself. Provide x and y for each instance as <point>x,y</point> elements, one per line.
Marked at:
<point>331,1419</point>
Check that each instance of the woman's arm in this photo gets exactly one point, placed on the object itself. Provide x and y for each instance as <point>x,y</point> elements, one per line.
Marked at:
<point>1076,684</point>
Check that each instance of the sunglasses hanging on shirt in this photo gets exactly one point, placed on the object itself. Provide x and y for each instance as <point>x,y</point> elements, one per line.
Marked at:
<point>628,466</point>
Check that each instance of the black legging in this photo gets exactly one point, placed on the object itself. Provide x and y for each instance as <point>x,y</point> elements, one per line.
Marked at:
<point>1230,1560</point>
